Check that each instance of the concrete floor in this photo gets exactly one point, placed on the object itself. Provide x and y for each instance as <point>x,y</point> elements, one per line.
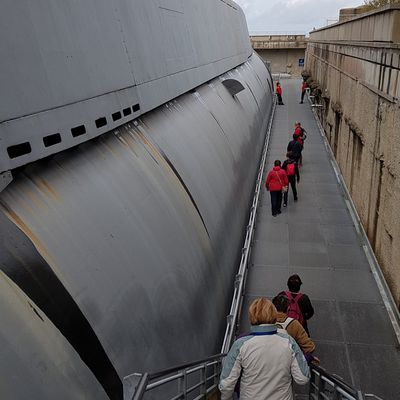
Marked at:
<point>316,239</point>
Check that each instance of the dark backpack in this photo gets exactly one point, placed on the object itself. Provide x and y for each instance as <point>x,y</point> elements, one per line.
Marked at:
<point>291,169</point>
<point>294,308</point>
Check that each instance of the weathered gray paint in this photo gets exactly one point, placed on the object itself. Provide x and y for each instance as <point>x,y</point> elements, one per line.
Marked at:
<point>66,64</point>
<point>143,226</point>
<point>36,360</point>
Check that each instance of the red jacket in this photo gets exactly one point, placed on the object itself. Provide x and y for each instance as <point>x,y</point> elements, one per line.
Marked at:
<point>298,133</point>
<point>279,90</point>
<point>276,179</point>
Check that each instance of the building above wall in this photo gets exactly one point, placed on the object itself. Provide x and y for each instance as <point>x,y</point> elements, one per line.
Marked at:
<point>284,54</point>
<point>381,25</point>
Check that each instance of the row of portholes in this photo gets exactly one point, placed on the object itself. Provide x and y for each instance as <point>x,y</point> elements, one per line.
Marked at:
<point>21,149</point>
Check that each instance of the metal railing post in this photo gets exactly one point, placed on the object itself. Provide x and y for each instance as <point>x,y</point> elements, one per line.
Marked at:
<point>134,386</point>
<point>203,377</point>
<point>320,387</point>
<point>360,396</point>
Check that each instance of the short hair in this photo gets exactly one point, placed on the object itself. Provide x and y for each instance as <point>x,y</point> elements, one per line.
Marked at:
<point>277,163</point>
<point>297,123</point>
<point>294,282</point>
<point>281,303</point>
<point>262,311</point>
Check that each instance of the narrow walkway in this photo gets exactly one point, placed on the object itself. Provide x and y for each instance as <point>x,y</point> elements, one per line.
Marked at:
<point>316,239</point>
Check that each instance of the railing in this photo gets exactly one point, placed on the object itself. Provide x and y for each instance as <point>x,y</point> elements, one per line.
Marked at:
<point>137,384</point>
<point>205,373</point>
<point>242,272</point>
<point>324,386</point>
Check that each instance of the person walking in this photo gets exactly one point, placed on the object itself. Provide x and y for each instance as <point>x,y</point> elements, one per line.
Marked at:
<point>265,361</point>
<point>293,174</point>
<point>304,86</point>
<point>300,134</point>
<point>300,306</point>
<point>279,93</point>
<point>276,182</point>
<point>294,148</point>
<point>293,327</point>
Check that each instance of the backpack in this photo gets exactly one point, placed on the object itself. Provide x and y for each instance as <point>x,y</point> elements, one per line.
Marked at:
<point>285,323</point>
<point>294,308</point>
<point>291,169</point>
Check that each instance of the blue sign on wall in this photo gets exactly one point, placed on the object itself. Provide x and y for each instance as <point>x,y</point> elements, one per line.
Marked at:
<point>301,62</point>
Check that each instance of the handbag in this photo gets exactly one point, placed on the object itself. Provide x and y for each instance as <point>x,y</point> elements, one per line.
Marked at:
<point>284,188</point>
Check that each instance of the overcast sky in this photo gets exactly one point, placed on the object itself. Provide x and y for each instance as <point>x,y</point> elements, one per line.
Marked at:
<point>292,16</point>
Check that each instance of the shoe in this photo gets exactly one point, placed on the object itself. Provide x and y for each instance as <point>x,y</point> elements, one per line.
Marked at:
<point>296,199</point>
<point>284,204</point>
<point>279,212</point>
<point>301,102</point>
<point>274,215</point>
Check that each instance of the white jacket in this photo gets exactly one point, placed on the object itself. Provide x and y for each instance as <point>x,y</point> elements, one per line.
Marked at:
<point>265,361</point>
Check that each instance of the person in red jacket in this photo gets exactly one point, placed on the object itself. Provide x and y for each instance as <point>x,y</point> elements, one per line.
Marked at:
<point>292,171</point>
<point>299,132</point>
<point>279,93</point>
<point>299,135</point>
<point>304,86</point>
<point>275,182</point>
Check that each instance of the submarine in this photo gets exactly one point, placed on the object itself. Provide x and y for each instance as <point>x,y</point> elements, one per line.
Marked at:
<point>131,132</point>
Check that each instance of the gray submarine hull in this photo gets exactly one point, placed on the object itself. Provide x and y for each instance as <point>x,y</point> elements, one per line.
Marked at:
<point>118,253</point>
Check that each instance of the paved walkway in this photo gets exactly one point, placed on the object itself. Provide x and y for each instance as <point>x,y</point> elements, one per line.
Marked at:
<point>316,239</point>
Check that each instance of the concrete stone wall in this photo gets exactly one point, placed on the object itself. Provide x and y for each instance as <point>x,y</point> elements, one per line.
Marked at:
<point>283,60</point>
<point>359,88</point>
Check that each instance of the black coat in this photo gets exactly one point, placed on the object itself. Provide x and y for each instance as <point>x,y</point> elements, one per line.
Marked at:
<point>295,148</point>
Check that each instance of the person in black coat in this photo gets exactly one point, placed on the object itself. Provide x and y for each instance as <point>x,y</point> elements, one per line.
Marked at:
<point>295,148</point>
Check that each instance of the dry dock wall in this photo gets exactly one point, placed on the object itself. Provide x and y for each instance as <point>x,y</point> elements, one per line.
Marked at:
<point>355,67</point>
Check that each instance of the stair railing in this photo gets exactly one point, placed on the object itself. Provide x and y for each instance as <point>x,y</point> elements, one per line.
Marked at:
<point>331,387</point>
<point>137,384</point>
<point>205,373</point>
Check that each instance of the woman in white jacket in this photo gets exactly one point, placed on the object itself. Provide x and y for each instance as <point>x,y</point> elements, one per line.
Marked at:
<point>265,360</point>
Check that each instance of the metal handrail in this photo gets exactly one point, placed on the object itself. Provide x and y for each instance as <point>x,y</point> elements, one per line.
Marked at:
<point>180,367</point>
<point>136,385</point>
<point>242,271</point>
<point>324,385</point>
<point>320,379</point>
